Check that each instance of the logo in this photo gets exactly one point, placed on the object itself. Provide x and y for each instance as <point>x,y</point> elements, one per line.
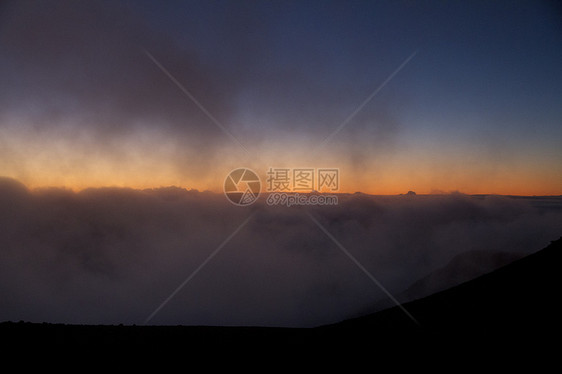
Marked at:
<point>242,186</point>
<point>302,180</point>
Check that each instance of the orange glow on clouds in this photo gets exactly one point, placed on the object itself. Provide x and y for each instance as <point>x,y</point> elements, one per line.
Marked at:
<point>145,161</point>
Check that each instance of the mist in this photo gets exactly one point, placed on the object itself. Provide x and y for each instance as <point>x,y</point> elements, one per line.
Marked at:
<point>111,255</point>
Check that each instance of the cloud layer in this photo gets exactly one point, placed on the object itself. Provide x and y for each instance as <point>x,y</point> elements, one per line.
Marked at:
<point>113,255</point>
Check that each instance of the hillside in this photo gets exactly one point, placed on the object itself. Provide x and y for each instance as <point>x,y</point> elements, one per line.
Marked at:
<point>507,317</point>
<point>523,295</point>
<point>461,268</point>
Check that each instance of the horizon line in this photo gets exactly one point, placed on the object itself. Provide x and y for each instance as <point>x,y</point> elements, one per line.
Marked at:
<point>265,192</point>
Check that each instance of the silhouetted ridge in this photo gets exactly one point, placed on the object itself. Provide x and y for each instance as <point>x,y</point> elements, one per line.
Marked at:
<point>503,319</point>
<point>519,298</point>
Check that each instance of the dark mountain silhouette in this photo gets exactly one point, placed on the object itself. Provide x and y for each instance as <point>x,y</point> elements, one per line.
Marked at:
<point>523,295</point>
<point>461,268</point>
<point>509,317</point>
<point>505,318</point>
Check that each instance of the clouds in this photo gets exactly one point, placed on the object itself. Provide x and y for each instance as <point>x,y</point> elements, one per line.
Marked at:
<point>113,255</point>
<point>82,105</point>
<point>79,88</point>
<point>85,60</point>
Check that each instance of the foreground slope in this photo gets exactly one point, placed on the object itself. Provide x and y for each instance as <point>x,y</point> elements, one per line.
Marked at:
<point>523,296</point>
<point>515,310</point>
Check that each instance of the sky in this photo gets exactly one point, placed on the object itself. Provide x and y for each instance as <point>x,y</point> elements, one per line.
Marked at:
<point>121,121</point>
<point>427,96</point>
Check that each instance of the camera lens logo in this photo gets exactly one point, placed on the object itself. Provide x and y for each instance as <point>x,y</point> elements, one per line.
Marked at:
<point>242,186</point>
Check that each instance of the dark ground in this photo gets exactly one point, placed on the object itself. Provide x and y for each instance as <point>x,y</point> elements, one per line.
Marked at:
<point>507,318</point>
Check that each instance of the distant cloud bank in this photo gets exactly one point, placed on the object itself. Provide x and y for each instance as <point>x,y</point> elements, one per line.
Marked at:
<point>114,255</point>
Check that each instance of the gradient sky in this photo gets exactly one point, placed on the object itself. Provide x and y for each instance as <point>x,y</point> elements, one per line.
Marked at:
<point>477,109</point>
